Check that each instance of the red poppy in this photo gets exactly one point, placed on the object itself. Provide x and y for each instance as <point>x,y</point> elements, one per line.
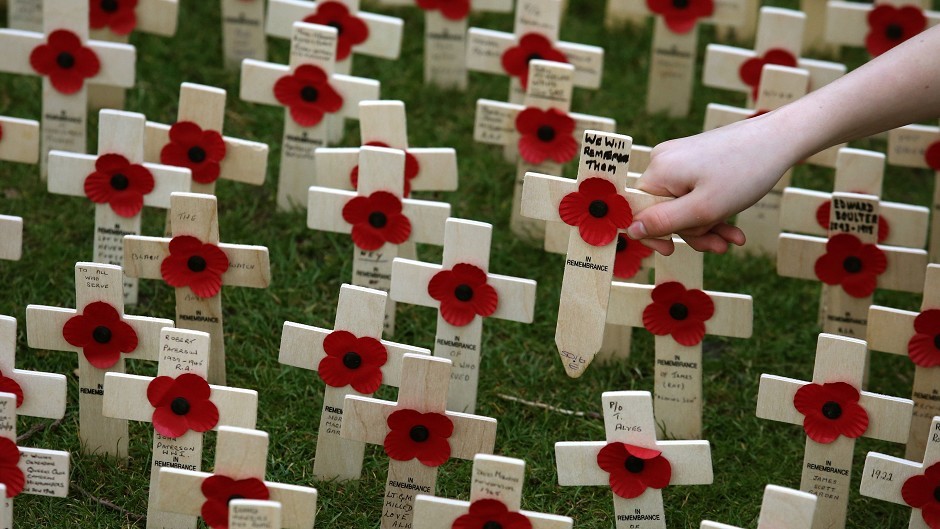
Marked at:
<point>118,15</point>
<point>489,513</point>
<point>351,29</point>
<point>597,210</point>
<point>633,469</point>
<point>546,134</point>
<point>678,312</point>
<point>412,168</point>
<point>8,385</point>
<point>65,60</point>
<point>758,113</point>
<point>376,220</point>
<point>629,257</point>
<point>924,346</point>
<point>923,492</point>
<point>853,265</point>
<point>10,474</point>
<point>450,9</point>
<point>932,156</point>
<point>352,361</point>
<point>822,218</point>
<point>308,94</point>
<point>412,434</point>
<point>463,293</point>
<point>101,334</point>
<point>681,15</point>
<point>118,182</point>
<point>220,490</point>
<point>751,70</point>
<point>195,265</point>
<point>889,26</point>
<point>531,46</point>
<point>831,410</point>
<point>195,149</point>
<point>181,404</point>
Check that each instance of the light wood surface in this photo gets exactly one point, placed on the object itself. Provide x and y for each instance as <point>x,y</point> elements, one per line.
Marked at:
<point>782,507</point>
<point>847,22</point>
<point>20,142</point>
<point>907,147</point>
<point>254,514</point>
<point>43,393</point>
<point>11,237</point>
<point>243,34</point>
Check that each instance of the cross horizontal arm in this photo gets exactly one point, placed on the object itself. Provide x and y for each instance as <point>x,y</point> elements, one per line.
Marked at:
<point>17,46</point>
<point>900,469</point>
<point>22,145</point>
<point>890,330</point>
<point>583,122</point>
<point>495,122</point>
<point>577,462</point>
<point>11,233</point>
<point>847,22</point>
<point>907,145</point>
<point>385,32</point>
<point>249,266</point>
<point>734,313</point>
<point>158,17</point>
<point>437,167</point>
<point>432,512</point>
<point>245,161</point>
<point>44,394</point>
<point>722,64</point>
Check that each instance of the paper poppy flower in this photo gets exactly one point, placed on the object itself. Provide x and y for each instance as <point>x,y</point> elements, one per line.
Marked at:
<point>932,156</point>
<point>597,210</point>
<point>678,312</point>
<point>822,218</point>
<point>376,220</point>
<point>923,492</point>
<point>531,46</point>
<point>831,410</point>
<point>10,474</point>
<point>8,385</point>
<point>633,469</point>
<point>119,183</point>
<point>889,26</point>
<point>351,29</point>
<point>119,16</point>
<point>352,361</point>
<point>853,265</point>
<point>308,94</point>
<point>101,334</point>
<point>412,434</point>
<point>450,9</point>
<point>220,490</point>
<point>65,61</point>
<point>924,346</point>
<point>182,404</point>
<point>198,150</point>
<point>195,265</point>
<point>463,293</point>
<point>546,135</point>
<point>412,168</point>
<point>629,257</point>
<point>751,70</point>
<point>681,15</point>
<point>489,514</point>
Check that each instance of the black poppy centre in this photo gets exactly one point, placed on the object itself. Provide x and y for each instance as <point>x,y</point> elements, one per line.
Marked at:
<point>101,334</point>
<point>120,182</point>
<point>196,154</point>
<point>678,311</point>
<point>546,133</point>
<point>377,219</point>
<point>419,433</point>
<point>234,497</point>
<point>832,410</point>
<point>336,24</point>
<point>65,60</point>
<point>533,57</point>
<point>490,524</point>
<point>936,494</point>
<point>852,264</point>
<point>680,4</point>
<point>634,465</point>
<point>621,243</point>
<point>463,292</point>
<point>180,406</point>
<point>936,341</point>
<point>598,209</point>
<point>196,263</point>
<point>352,360</point>
<point>309,94</point>
<point>894,32</point>
<point>109,6</point>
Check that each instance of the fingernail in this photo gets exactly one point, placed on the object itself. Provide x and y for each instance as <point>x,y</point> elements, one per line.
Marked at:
<point>636,231</point>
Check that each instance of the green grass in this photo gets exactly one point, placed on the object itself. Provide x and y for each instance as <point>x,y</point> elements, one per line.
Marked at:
<point>520,360</point>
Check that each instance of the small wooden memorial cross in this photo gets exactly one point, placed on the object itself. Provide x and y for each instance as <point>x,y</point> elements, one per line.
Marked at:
<point>194,262</point>
<point>314,99</point>
<point>495,499</point>
<point>102,334</point>
<point>597,206</point>
<point>919,146</point>
<point>38,394</point>
<point>25,15</point>
<point>464,292</point>
<point>240,465</point>
<point>914,334</point>
<point>352,359</point>
<point>11,237</point>
<point>877,26</point>
<point>119,183</point>
<point>782,508</point>
<point>67,62</point>
<point>182,406</point>
<point>243,34</point>
<point>680,314</point>
<point>254,514</point>
<point>417,433</point>
<point>833,412</point>
<point>632,462</point>
<point>542,130</point>
<point>378,218</point>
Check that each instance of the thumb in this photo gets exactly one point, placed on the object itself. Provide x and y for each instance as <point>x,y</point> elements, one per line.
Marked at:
<point>666,218</point>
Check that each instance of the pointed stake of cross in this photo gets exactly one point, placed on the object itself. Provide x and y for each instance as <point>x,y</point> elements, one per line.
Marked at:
<point>782,507</point>
<point>254,514</point>
<point>908,147</point>
<point>43,393</point>
<point>196,216</point>
<point>424,382</point>
<point>240,455</point>
<point>243,32</point>
<point>827,467</point>
<point>848,23</point>
<point>361,312</point>
<point>629,420</point>
<point>127,397</point>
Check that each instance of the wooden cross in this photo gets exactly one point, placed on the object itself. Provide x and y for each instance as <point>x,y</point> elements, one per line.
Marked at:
<point>892,331</point>
<point>360,315</point>
<point>464,292</point>
<point>40,394</point>
<point>120,184</point>
<point>254,514</point>
<point>919,146</point>
<point>314,99</point>
<point>11,237</point>
<point>378,218</point>
<point>495,485</point>
<point>198,265</point>
<point>240,464</point>
<point>68,62</point>
<point>182,419</point>
<point>631,446</point>
<point>25,15</point>
<point>833,412</point>
<point>852,23</point>
<point>243,34</point>
<point>546,136</point>
<point>102,334</point>
<point>782,507</point>
<point>19,143</point>
<point>417,432</point>
<point>600,208</point>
